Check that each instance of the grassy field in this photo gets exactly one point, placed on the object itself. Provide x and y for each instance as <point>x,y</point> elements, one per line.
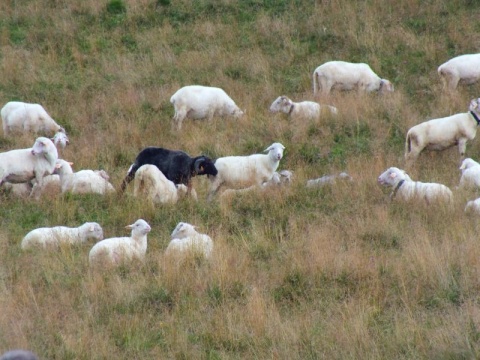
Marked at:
<point>329,273</point>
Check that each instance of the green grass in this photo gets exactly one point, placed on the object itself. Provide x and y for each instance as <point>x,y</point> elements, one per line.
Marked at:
<point>338,272</point>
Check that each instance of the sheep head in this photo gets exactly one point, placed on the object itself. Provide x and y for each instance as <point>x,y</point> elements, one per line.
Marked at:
<point>392,176</point>
<point>203,165</point>
<point>275,151</point>
<point>183,230</point>
<point>139,228</point>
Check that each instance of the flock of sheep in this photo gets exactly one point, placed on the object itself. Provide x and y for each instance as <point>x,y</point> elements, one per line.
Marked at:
<point>163,175</point>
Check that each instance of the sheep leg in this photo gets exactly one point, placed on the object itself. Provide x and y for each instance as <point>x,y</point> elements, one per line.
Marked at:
<point>130,176</point>
<point>462,147</point>
<point>214,187</point>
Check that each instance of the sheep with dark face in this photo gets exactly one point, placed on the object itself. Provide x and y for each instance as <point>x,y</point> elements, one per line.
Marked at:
<point>176,165</point>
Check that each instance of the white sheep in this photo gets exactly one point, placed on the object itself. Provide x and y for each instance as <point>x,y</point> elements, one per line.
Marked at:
<point>60,139</point>
<point>118,249</point>
<point>199,102</point>
<point>283,177</point>
<point>150,183</point>
<point>341,75</point>
<point>329,180</point>
<point>463,69</point>
<point>443,133</point>
<point>406,189</point>
<point>23,165</point>
<point>19,116</point>
<point>185,238</point>
<point>305,110</point>
<point>83,181</point>
<point>55,236</point>
<point>244,171</point>
<point>470,174</point>
<point>473,206</point>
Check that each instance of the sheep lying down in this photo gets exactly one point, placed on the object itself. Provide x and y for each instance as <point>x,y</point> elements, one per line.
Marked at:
<point>407,190</point>
<point>54,236</point>
<point>185,238</point>
<point>114,251</point>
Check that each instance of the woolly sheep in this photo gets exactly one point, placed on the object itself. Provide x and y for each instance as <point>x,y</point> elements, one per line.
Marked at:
<point>22,165</point>
<point>463,69</point>
<point>20,116</point>
<point>443,133</point>
<point>406,189</point>
<point>328,180</point>
<point>199,102</point>
<point>186,238</point>
<point>243,171</point>
<point>150,183</point>
<point>118,249</point>
<point>343,75</point>
<point>305,110</point>
<point>54,236</point>
<point>278,179</point>
<point>83,181</point>
<point>473,206</point>
<point>470,174</point>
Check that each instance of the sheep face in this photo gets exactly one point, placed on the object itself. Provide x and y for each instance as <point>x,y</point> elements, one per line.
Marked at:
<point>392,176</point>
<point>468,163</point>
<point>385,86</point>
<point>204,166</point>
<point>474,105</point>
<point>42,145</point>
<point>281,104</point>
<point>94,231</point>
<point>139,228</point>
<point>275,151</point>
<point>61,139</point>
<point>182,230</point>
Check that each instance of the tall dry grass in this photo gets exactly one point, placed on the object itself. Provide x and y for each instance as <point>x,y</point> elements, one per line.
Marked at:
<point>337,272</point>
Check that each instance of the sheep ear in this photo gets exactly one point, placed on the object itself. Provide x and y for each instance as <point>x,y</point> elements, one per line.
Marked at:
<point>58,166</point>
<point>129,227</point>
<point>393,175</point>
<point>92,228</point>
<point>197,166</point>
<point>70,163</point>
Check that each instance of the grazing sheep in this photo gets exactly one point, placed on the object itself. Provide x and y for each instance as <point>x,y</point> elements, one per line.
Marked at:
<point>243,171</point>
<point>54,236</point>
<point>407,190</point>
<point>185,238</point>
<point>463,69</point>
<point>443,133</point>
<point>118,249</point>
<point>470,174</point>
<point>305,110</point>
<point>177,166</point>
<point>20,116</point>
<point>341,75</point>
<point>150,183</point>
<point>199,102</point>
<point>18,355</point>
<point>328,180</point>
<point>83,181</point>
<point>23,165</point>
